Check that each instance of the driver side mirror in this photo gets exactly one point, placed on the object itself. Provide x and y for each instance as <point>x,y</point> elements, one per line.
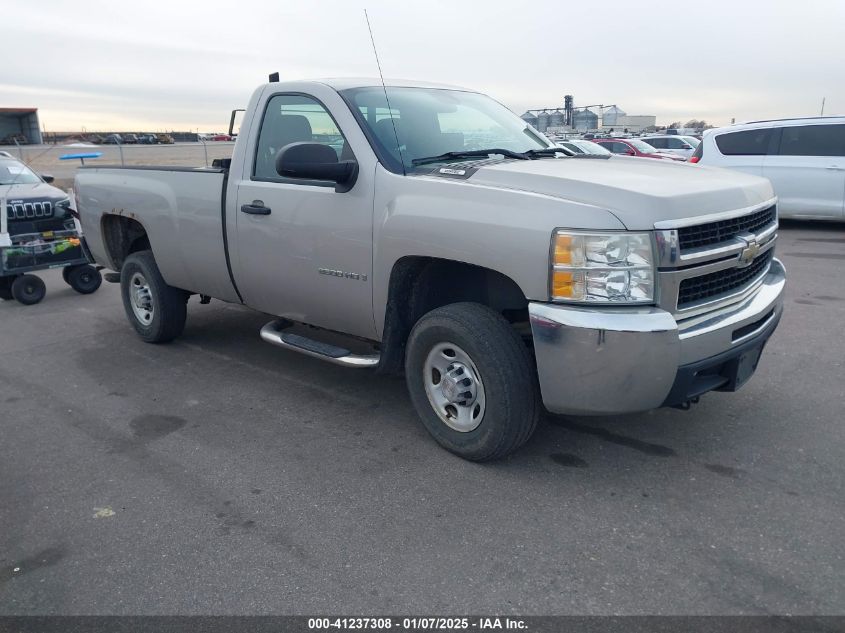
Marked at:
<point>47,178</point>
<point>314,161</point>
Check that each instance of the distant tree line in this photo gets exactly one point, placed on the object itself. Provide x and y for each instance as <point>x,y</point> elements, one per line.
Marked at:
<point>692,123</point>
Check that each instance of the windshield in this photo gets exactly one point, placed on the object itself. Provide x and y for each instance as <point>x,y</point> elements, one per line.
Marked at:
<point>14,173</point>
<point>642,146</point>
<point>589,147</point>
<point>430,122</point>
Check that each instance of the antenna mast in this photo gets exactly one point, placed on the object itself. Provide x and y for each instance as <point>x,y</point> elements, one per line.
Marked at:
<point>386,98</point>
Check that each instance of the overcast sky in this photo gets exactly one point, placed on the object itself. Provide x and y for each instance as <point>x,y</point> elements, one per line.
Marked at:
<point>155,64</point>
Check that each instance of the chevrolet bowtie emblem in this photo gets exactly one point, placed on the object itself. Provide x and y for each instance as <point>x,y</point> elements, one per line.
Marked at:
<point>749,253</point>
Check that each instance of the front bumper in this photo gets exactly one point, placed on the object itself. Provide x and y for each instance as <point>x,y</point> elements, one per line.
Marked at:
<point>605,361</point>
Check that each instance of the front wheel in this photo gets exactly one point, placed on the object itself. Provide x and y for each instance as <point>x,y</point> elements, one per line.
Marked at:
<point>472,381</point>
<point>156,311</point>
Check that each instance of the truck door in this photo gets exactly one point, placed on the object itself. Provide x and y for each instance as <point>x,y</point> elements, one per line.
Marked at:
<point>306,255</point>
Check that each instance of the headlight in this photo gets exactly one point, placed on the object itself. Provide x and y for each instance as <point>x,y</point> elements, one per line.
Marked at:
<point>64,205</point>
<point>602,267</point>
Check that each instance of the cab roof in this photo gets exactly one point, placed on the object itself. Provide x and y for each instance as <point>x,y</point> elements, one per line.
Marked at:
<point>346,83</point>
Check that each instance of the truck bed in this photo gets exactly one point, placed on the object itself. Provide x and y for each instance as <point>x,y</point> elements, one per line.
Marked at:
<point>182,209</point>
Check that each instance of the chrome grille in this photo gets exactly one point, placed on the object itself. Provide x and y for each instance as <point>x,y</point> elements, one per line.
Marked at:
<point>721,282</point>
<point>708,263</point>
<point>724,230</point>
<point>29,210</point>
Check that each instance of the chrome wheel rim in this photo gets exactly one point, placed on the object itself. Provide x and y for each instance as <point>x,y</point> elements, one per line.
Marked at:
<point>141,299</point>
<point>454,387</point>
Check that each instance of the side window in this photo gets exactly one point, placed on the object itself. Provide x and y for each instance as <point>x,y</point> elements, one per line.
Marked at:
<point>292,119</point>
<point>813,140</point>
<point>657,143</point>
<point>676,143</point>
<point>620,148</point>
<point>746,143</point>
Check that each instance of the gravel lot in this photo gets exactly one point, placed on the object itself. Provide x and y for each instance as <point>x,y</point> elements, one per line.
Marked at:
<point>222,475</point>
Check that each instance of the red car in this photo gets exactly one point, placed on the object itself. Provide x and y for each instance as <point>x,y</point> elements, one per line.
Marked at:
<point>222,137</point>
<point>634,147</point>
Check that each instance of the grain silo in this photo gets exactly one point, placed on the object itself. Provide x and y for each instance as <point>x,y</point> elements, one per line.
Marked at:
<point>530,119</point>
<point>611,115</point>
<point>543,121</point>
<point>557,119</point>
<point>584,120</point>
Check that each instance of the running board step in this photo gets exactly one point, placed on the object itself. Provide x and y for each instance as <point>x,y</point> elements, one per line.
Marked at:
<point>274,332</point>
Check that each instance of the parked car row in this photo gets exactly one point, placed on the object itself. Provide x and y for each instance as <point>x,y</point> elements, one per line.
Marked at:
<point>621,146</point>
<point>663,146</point>
<point>682,146</point>
<point>131,139</point>
<point>804,158</point>
<point>635,147</point>
<point>216,137</point>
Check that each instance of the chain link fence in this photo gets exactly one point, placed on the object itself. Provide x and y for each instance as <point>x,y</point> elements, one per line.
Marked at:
<point>46,159</point>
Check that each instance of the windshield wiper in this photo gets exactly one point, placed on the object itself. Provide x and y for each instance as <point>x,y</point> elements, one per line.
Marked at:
<point>549,151</point>
<point>468,154</point>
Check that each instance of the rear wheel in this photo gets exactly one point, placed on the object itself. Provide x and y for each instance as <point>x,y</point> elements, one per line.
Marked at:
<point>156,311</point>
<point>84,279</point>
<point>472,381</point>
<point>28,289</point>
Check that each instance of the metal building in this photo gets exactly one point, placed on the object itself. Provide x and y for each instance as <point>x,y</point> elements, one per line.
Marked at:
<point>21,124</point>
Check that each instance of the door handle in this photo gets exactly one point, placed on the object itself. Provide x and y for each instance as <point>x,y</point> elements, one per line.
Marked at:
<point>256,207</point>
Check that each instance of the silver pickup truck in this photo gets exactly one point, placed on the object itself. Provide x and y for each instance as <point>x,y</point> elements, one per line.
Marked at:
<point>444,238</point>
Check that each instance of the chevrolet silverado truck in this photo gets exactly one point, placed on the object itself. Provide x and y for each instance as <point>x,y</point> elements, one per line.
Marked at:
<point>427,230</point>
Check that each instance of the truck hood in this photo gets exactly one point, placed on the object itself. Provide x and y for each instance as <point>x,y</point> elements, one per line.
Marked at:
<point>638,191</point>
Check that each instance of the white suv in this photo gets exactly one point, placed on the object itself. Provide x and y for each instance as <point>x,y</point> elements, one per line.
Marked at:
<point>803,158</point>
<point>682,146</point>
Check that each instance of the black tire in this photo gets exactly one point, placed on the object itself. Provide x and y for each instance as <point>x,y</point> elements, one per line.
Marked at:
<point>28,289</point>
<point>168,305</point>
<point>65,271</point>
<point>503,362</point>
<point>6,288</point>
<point>85,279</point>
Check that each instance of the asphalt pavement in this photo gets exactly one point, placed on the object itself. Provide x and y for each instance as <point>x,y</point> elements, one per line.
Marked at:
<point>221,475</point>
